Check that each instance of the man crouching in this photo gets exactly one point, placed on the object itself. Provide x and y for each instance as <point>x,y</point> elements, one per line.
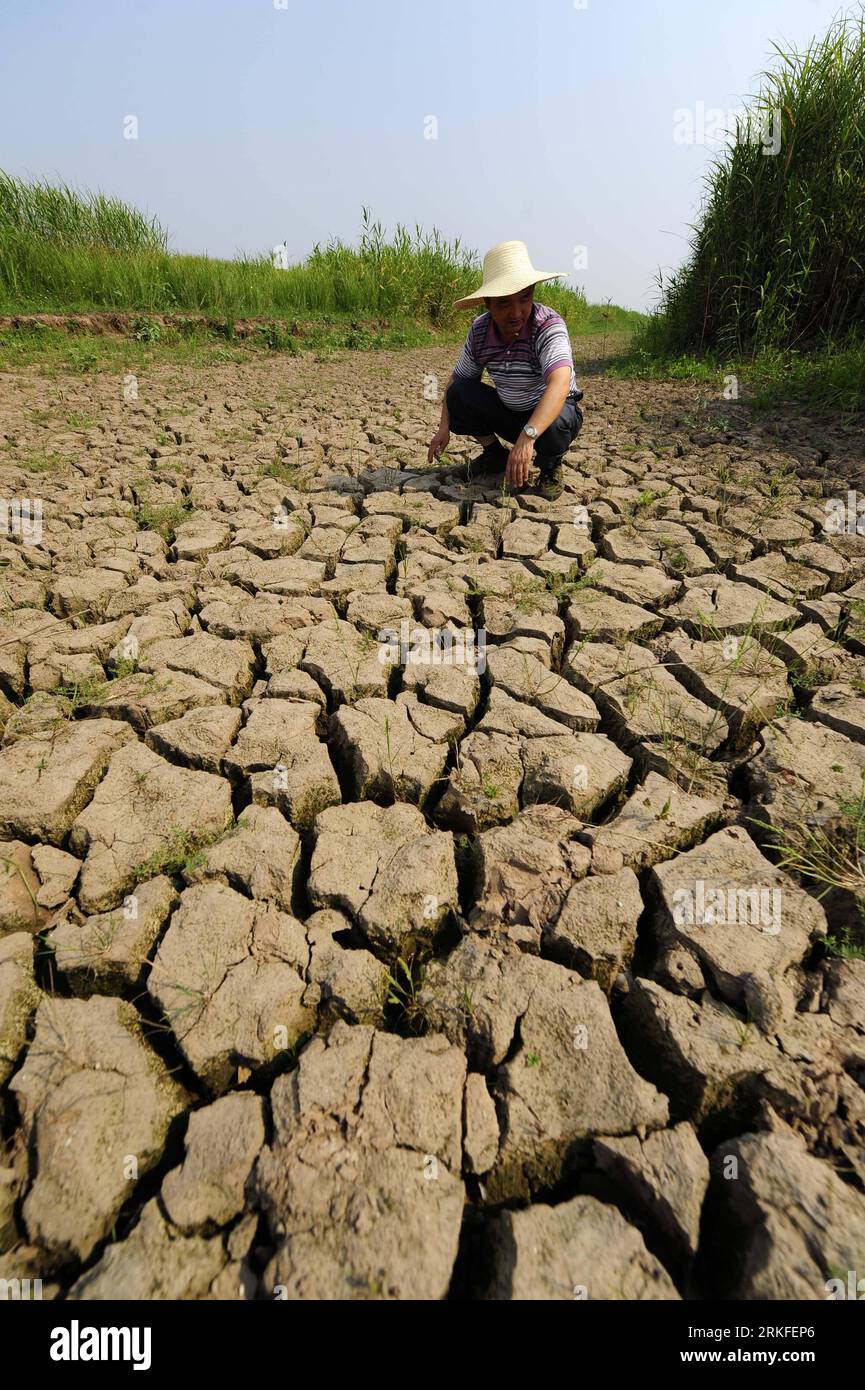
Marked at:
<point>526,350</point>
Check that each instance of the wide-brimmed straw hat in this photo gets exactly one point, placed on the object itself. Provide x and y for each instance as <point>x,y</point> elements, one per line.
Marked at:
<point>507,270</point>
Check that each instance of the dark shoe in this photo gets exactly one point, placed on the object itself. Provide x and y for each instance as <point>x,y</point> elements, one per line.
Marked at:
<point>492,460</point>
<point>550,484</point>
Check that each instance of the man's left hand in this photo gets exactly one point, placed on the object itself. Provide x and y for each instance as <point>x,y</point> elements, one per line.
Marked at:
<point>519,461</point>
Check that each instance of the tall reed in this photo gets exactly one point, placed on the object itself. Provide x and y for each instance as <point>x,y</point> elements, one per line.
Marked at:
<point>778,254</point>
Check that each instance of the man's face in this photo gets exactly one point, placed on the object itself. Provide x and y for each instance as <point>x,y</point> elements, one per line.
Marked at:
<point>510,312</point>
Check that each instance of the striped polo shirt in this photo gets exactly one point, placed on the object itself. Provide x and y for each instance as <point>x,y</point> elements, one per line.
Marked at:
<point>520,371</point>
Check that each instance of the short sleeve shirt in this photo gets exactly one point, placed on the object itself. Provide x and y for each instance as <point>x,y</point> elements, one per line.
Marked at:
<point>519,371</point>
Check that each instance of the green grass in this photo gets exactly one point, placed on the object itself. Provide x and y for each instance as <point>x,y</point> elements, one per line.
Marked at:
<point>64,252</point>
<point>774,284</point>
<point>284,471</point>
<point>844,944</point>
<point>563,587</point>
<point>183,850</point>
<point>53,349</point>
<point>778,257</point>
<point>42,463</point>
<point>65,218</point>
<point>403,990</point>
<point>165,519</point>
<point>830,377</point>
<point>87,690</point>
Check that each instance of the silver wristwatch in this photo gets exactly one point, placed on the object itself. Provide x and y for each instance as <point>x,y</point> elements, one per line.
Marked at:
<point>530,431</point>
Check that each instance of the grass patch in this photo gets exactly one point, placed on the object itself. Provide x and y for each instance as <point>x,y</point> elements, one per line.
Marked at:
<point>184,850</point>
<point>404,988</point>
<point>284,471</point>
<point>89,690</point>
<point>165,519</point>
<point>41,463</point>
<point>831,377</point>
<point>563,587</point>
<point>832,858</point>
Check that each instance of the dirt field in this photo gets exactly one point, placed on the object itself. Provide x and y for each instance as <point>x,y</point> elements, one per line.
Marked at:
<point>331,972</point>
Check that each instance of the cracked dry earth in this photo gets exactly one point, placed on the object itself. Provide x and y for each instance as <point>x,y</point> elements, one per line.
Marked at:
<point>226,822</point>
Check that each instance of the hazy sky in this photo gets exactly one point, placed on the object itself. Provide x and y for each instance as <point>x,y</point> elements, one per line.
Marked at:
<point>268,120</point>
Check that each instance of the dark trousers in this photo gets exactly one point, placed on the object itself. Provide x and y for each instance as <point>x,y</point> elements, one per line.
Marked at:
<point>477,409</point>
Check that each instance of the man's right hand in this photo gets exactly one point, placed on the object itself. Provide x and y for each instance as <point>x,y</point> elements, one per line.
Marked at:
<point>439,441</point>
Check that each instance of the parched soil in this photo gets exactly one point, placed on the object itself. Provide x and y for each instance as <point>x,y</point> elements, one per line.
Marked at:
<point>392,886</point>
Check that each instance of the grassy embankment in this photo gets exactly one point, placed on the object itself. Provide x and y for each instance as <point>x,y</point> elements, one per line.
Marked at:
<point>773,290</point>
<point>64,252</point>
